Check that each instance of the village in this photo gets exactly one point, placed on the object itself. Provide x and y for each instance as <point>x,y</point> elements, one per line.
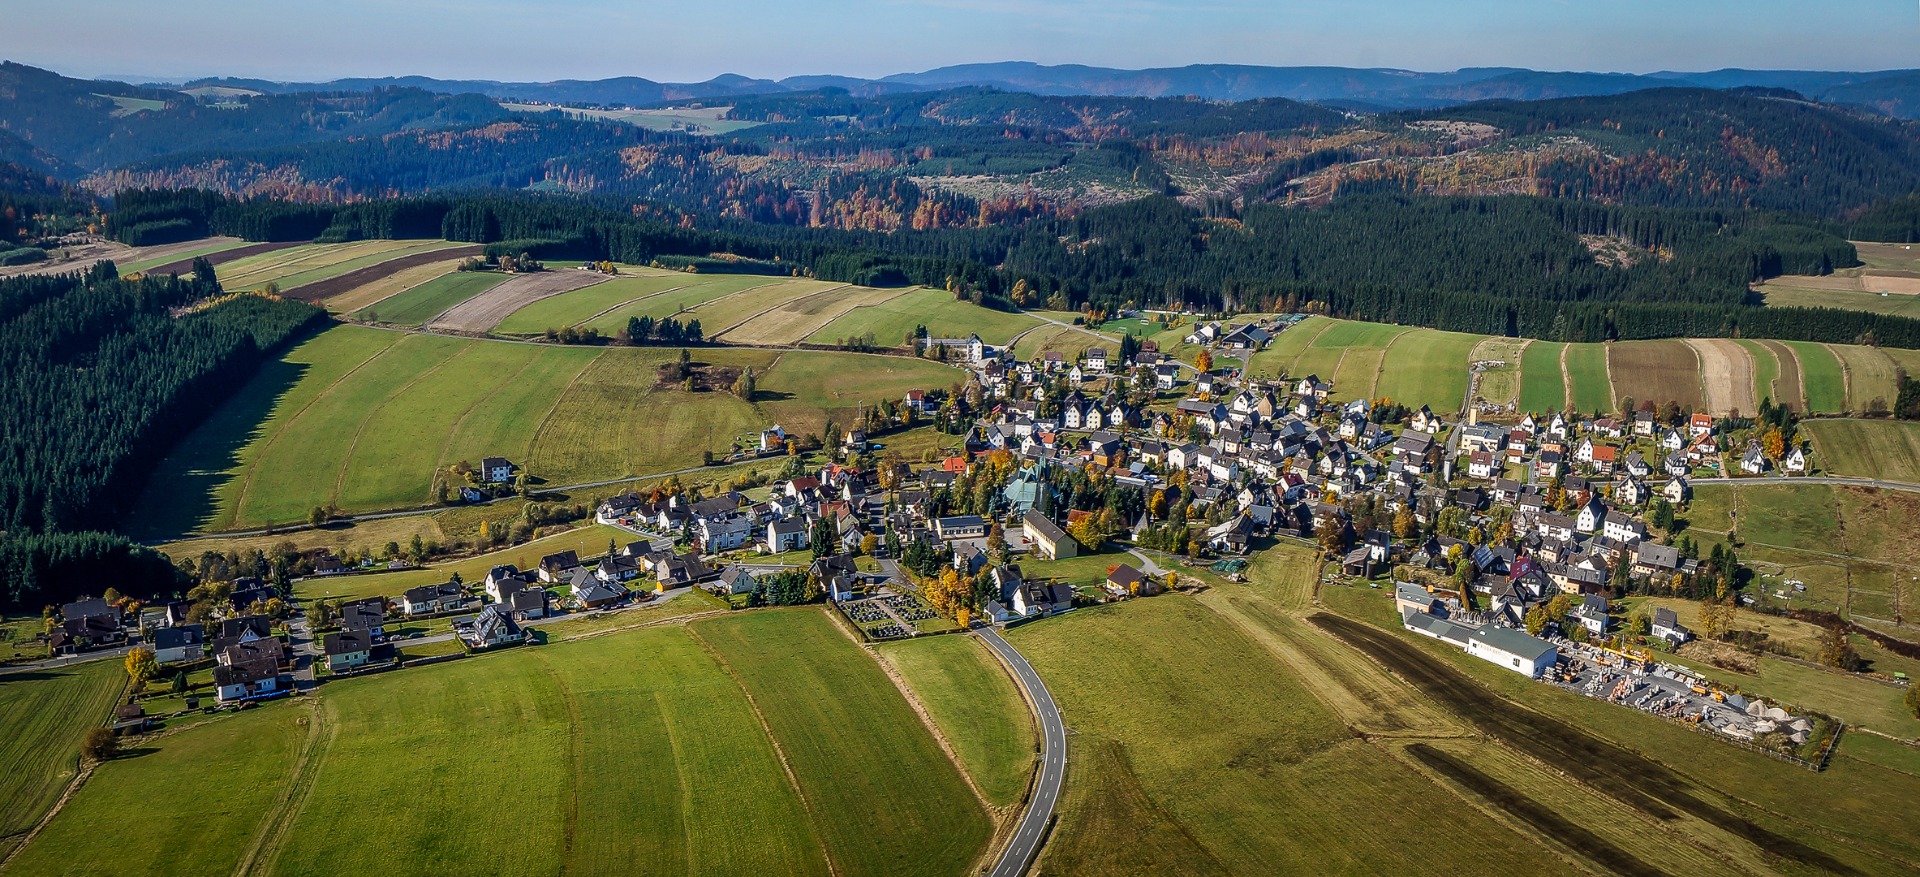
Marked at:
<point>1513,541</point>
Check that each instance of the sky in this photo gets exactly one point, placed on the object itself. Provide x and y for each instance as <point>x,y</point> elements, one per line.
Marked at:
<point>544,40</point>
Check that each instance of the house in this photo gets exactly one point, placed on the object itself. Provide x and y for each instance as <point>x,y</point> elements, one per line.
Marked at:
<point>1677,490</point>
<point>735,580</point>
<point>774,438</point>
<point>1516,651</point>
<point>503,581</point>
<point>617,568</point>
<point>1623,528</point>
<point>1654,559</point>
<point>1699,425</point>
<point>558,566</point>
<point>960,527</point>
<point>1632,491</point>
<point>1166,375</point>
<point>347,650</point>
<point>1754,461</point>
<point>1411,597</point>
<point>528,603</point>
<point>179,644</point>
<point>724,532</point>
<point>591,593</point>
<point>1481,465</point>
<point>492,628</point>
<point>1795,461</point>
<point>495,470</point>
<point>247,681</point>
<point>1436,627</point>
<point>788,535</point>
<point>432,599</point>
<point>1125,581</point>
<point>1047,538</point>
<point>1592,613</point>
<point>1666,626</point>
<point>368,614</point>
<point>1034,598</point>
<point>87,624</point>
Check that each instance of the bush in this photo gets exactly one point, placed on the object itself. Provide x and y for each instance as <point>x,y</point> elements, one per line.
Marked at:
<point>101,744</point>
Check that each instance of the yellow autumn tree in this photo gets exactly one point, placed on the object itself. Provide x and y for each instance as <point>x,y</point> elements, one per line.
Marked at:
<point>1204,361</point>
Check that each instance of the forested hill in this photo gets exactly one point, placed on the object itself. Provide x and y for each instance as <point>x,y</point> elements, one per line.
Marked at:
<point>101,377</point>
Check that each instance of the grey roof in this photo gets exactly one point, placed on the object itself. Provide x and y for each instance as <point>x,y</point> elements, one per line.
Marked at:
<point>1513,642</point>
<point>1436,626</point>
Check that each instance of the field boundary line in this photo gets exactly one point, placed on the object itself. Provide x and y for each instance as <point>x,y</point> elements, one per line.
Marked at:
<point>462,419</point>
<point>1700,371</point>
<point>926,718</point>
<point>346,462</point>
<point>1799,373</point>
<point>270,838</point>
<point>1566,378</point>
<point>773,740</point>
<point>686,791</point>
<point>534,436</point>
<point>376,302</point>
<point>624,304</point>
<point>809,331</point>
<point>758,314</point>
<point>246,485</point>
<point>1613,390</point>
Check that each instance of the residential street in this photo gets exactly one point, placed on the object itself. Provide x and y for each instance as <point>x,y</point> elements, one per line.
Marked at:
<point>1034,824</point>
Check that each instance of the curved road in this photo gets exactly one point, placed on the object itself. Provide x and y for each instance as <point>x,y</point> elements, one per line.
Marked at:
<point>1032,830</point>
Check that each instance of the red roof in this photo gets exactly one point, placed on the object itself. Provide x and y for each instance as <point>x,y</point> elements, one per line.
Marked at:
<point>956,465</point>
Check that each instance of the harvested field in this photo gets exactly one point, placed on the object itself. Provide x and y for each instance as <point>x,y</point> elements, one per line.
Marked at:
<point>890,321</point>
<point>1821,377</point>
<point>1727,373</point>
<point>424,301</point>
<point>1647,786</point>
<point>793,321</point>
<point>484,311</point>
<point>308,263</point>
<point>170,259</point>
<point>1872,378</point>
<point>324,289</point>
<point>378,291</point>
<point>1884,449</point>
<point>1655,371</point>
<point>1528,811</point>
<point>583,307</point>
<point>126,259</point>
<point>726,313</point>
<point>1894,296</point>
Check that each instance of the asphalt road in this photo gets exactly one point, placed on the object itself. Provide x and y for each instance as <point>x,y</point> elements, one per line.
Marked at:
<point>1032,830</point>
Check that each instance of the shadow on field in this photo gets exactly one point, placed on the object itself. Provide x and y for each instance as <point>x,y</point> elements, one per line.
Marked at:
<point>183,496</point>
<point>1622,774</point>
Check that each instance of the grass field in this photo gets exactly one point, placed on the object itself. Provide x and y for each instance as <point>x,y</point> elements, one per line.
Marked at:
<point>1822,381</point>
<point>1766,374</point>
<point>205,249</point>
<point>587,306</point>
<point>977,707</point>
<point>1884,449</point>
<point>1427,367</point>
<point>227,775</point>
<point>43,716</point>
<point>1588,377</point>
<point>890,321</point>
<point>1068,341</point>
<point>1542,385</point>
<point>883,797</point>
<point>726,312</point>
<point>1499,385</point>
<point>363,417</point>
<point>1872,377</point>
<point>430,299</point>
<point>541,760</point>
<point>1279,356</point>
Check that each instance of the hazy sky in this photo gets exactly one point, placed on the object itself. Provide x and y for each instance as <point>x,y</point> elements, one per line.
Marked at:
<point>689,41</point>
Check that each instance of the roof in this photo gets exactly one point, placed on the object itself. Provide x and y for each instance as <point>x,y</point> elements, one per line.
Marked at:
<point>1124,575</point>
<point>1044,526</point>
<point>1435,626</point>
<point>1513,642</point>
<point>1412,593</point>
<point>345,642</point>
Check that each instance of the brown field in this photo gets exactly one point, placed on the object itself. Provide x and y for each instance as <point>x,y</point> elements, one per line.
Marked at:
<point>1656,371</point>
<point>794,320</point>
<point>1871,376</point>
<point>1786,387</point>
<point>486,310</point>
<point>1726,371</point>
<point>386,287</point>
<point>321,290</point>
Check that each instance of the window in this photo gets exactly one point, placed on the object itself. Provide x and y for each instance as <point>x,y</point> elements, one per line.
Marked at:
<point>1516,663</point>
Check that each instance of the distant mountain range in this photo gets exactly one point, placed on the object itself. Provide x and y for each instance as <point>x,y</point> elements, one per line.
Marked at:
<point>1894,92</point>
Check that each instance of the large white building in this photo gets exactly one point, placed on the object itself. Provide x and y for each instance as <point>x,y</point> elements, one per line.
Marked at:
<point>1513,650</point>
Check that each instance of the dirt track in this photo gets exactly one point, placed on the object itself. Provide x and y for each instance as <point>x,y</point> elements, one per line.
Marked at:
<point>486,310</point>
<point>321,290</point>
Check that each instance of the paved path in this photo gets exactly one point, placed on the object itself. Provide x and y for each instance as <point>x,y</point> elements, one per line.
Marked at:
<point>1032,830</point>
